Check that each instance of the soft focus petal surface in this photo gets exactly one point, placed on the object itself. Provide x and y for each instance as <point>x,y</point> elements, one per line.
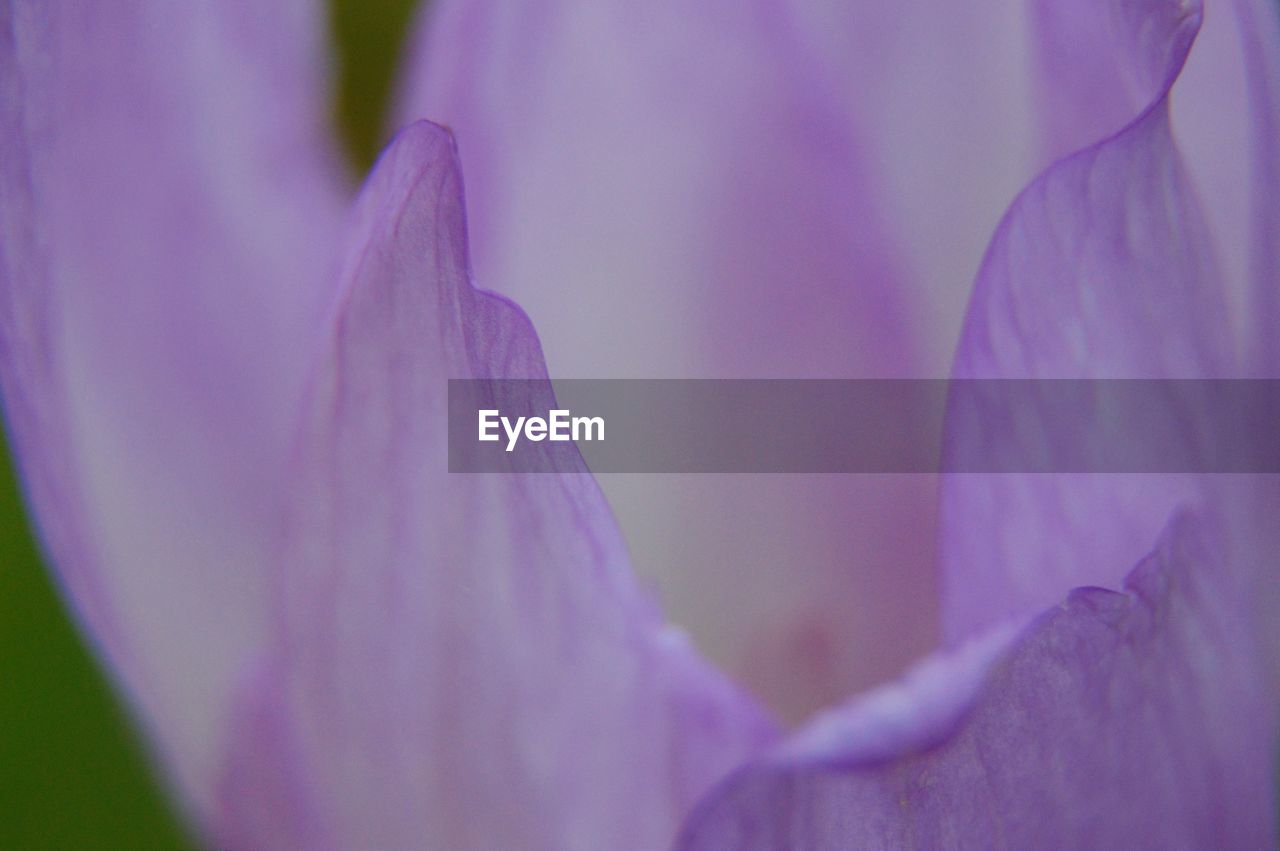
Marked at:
<point>464,660</point>
<point>1141,718</point>
<point>1226,118</point>
<point>167,207</point>
<point>1134,719</point>
<point>782,165</point>
<point>748,190</point>
<point>1103,268</point>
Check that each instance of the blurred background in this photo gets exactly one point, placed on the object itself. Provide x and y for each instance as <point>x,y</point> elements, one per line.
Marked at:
<point>72,772</point>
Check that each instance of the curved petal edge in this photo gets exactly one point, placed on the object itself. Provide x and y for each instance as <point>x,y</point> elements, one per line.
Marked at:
<point>464,660</point>
<point>1139,718</point>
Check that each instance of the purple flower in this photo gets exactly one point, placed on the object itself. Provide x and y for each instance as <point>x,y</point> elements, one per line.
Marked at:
<point>227,397</point>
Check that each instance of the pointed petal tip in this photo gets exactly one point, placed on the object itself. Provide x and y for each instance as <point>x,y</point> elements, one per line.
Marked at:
<point>512,590</point>
<point>425,139</point>
<point>415,151</point>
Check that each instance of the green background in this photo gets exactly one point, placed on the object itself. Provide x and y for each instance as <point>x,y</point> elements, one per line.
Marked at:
<point>72,774</point>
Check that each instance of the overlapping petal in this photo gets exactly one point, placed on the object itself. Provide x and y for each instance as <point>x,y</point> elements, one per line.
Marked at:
<point>1133,719</point>
<point>1226,118</point>
<point>744,190</point>
<point>168,199</point>
<point>793,167</point>
<point>1117,719</point>
<point>464,660</point>
<point>1103,268</point>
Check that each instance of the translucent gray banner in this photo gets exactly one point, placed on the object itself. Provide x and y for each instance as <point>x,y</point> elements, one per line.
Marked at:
<point>864,426</point>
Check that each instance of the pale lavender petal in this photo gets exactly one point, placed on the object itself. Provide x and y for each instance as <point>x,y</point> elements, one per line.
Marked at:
<point>1134,719</point>
<point>783,160</point>
<point>1226,118</point>
<point>168,202</point>
<point>739,190</point>
<point>1097,65</point>
<point>464,660</point>
<point>1103,268</point>
<point>1141,718</point>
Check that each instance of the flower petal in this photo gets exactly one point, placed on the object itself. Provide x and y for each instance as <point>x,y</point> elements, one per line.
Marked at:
<point>1117,720</point>
<point>1228,100</point>
<point>1103,268</point>
<point>1134,719</point>
<point>168,202</point>
<point>724,192</point>
<point>465,661</point>
<point>783,168</point>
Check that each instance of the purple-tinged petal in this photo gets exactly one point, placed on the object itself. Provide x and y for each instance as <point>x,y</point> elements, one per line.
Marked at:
<point>1097,65</point>
<point>1103,268</point>
<point>939,98</point>
<point>464,660</point>
<point>1226,118</point>
<point>168,203</point>
<point>779,165</point>
<point>675,191</point>
<point>1134,719</point>
<point>1144,718</point>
